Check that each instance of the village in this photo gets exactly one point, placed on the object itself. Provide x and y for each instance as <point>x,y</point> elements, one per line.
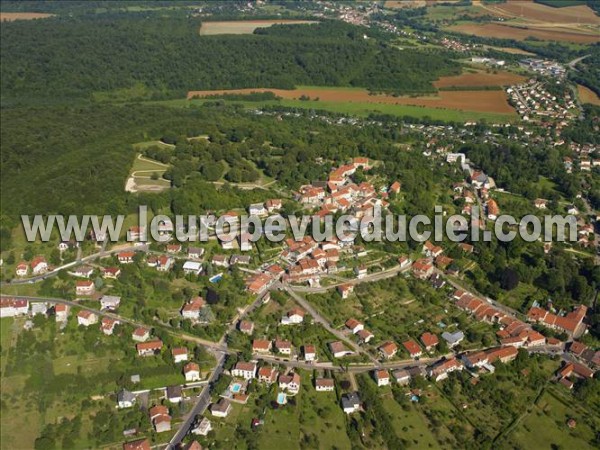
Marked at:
<point>319,266</point>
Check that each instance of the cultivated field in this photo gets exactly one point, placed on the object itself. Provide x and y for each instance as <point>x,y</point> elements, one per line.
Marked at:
<point>405,4</point>
<point>522,32</point>
<point>11,16</point>
<point>535,12</point>
<point>244,26</point>
<point>481,101</point>
<point>586,95</point>
<point>479,79</point>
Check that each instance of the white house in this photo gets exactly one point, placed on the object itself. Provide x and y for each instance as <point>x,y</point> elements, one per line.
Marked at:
<point>245,370</point>
<point>257,209</point>
<point>191,371</point>
<point>221,409</point>
<point>180,354</point>
<point>111,302</point>
<point>382,377</point>
<point>22,269</point>
<point>125,399</point>
<point>324,385</point>
<point>293,317</point>
<point>86,318</point>
<point>39,265</point>
<point>10,307</point>
<point>350,402</point>
<point>85,287</point>
<point>192,267</point>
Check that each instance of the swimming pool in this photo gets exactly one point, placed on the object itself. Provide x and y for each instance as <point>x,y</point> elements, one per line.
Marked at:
<point>281,398</point>
<point>236,388</point>
<point>216,278</point>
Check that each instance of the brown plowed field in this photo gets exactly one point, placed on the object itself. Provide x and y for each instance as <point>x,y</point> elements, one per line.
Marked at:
<point>480,79</point>
<point>502,31</point>
<point>586,95</point>
<point>483,101</point>
<point>9,17</point>
<point>529,10</point>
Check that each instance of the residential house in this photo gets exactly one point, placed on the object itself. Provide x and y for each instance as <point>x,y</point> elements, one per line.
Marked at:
<point>61,312</point>
<point>108,325</point>
<point>439,371</point>
<point>125,257</point>
<point>412,348</point>
<point>422,268</point>
<point>191,310</point>
<point>267,374</point>
<point>140,334</point>
<point>149,348</point>
<point>245,370</point>
<point>388,350</point>
<point>83,271</point>
<point>360,271</point>
<point>382,377</point>
<point>195,253</point>
<point>174,393</point>
<point>293,317</point>
<point>365,336</point>
<point>324,385</point>
<point>475,360</point>
<point>179,354</point>
<point>111,272</point>
<point>350,402</point>
<point>354,325</point>
<point>257,209</point>
<point>202,428</point>
<point>22,269</point>
<point>192,268</point>
<point>345,290</point>
<point>125,398</point>
<point>10,307</point>
<point>453,339</point>
<point>338,350</point>
<point>86,318</point>
<point>140,444</point>
<point>283,347</point>
<point>429,340</point>
<point>310,353</point>
<point>401,376</point>
<point>246,327</point>
<point>85,287</point>
<point>289,382</point>
<point>110,302</point>
<point>221,409</point>
<point>39,265</point>
<point>261,346</point>
<point>191,371</point>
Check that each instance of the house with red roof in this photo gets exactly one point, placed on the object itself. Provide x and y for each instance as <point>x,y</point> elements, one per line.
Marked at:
<point>388,349</point>
<point>412,348</point>
<point>429,340</point>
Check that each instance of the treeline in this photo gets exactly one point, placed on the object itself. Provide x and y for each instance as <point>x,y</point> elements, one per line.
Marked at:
<point>588,70</point>
<point>75,57</point>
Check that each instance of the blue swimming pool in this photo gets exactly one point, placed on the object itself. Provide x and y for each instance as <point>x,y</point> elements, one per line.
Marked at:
<point>236,388</point>
<point>216,278</point>
<point>281,398</point>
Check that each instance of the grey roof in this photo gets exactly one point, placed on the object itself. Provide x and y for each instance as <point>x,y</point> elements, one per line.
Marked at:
<point>350,400</point>
<point>453,338</point>
<point>125,396</point>
<point>174,391</point>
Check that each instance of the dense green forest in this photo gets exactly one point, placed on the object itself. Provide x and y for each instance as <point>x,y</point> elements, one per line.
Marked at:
<point>64,57</point>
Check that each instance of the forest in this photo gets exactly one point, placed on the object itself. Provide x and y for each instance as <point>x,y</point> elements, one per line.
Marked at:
<point>62,57</point>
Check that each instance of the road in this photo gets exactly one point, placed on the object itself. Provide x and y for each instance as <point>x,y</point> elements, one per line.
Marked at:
<point>378,276</point>
<point>200,406</point>
<point>325,323</point>
<point>103,252</point>
<point>576,61</point>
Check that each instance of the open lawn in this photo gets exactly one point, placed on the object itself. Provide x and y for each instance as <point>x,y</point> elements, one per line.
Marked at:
<point>522,32</point>
<point>244,26</point>
<point>142,173</point>
<point>550,414</point>
<point>409,423</point>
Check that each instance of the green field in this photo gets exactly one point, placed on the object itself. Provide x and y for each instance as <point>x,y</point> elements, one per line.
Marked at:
<point>360,109</point>
<point>545,426</point>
